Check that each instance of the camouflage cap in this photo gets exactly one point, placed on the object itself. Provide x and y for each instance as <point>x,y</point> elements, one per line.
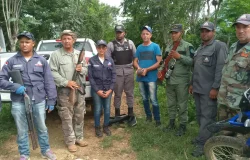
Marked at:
<point>208,25</point>
<point>27,35</point>
<point>243,19</point>
<point>176,28</point>
<point>70,33</point>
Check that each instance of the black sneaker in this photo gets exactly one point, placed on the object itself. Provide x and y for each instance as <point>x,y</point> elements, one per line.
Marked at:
<point>106,130</point>
<point>132,121</point>
<point>98,132</point>
<point>198,151</point>
<point>182,130</point>
<point>148,119</point>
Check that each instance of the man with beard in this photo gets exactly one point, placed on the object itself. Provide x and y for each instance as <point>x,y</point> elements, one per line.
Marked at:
<point>209,60</point>
<point>122,51</point>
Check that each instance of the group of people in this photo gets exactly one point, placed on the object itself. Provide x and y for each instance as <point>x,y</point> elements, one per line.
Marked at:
<point>217,77</point>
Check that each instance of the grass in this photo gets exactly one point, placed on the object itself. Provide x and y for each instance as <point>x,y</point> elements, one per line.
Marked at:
<point>151,143</point>
<point>7,123</point>
<point>108,141</point>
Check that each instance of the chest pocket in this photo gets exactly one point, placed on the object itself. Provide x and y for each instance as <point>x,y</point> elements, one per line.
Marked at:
<point>38,69</point>
<point>18,67</point>
<point>65,66</point>
<point>240,69</point>
<point>208,58</point>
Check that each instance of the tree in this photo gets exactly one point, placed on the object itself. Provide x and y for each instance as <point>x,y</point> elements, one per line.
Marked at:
<point>11,13</point>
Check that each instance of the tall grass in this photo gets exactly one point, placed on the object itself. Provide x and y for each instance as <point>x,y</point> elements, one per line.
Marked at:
<point>151,143</point>
<point>7,124</point>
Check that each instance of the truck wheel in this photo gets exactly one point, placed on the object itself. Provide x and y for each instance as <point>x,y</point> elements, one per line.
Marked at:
<point>224,148</point>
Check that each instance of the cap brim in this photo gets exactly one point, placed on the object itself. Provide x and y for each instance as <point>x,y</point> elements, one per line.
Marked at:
<point>102,44</point>
<point>20,36</point>
<point>146,29</point>
<point>175,30</point>
<point>119,30</point>
<point>242,22</point>
<point>210,29</point>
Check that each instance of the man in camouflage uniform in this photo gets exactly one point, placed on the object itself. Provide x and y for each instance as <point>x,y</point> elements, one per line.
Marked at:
<point>209,60</point>
<point>178,82</point>
<point>63,65</point>
<point>236,72</point>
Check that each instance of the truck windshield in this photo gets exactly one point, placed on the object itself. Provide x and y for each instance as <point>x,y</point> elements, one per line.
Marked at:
<point>52,46</point>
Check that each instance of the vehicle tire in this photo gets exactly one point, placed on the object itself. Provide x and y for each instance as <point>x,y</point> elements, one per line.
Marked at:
<point>224,148</point>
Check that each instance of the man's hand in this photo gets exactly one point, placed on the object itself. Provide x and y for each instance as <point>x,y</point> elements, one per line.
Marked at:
<point>213,93</point>
<point>174,54</point>
<point>107,93</point>
<point>79,67</point>
<point>190,89</point>
<point>100,93</point>
<point>20,90</point>
<point>145,71</point>
<point>72,84</point>
<point>51,108</point>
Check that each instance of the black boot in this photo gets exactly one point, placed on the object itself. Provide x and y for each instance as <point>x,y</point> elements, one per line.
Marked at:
<point>106,130</point>
<point>198,151</point>
<point>132,119</point>
<point>182,130</point>
<point>98,132</point>
<point>117,112</point>
<point>170,127</point>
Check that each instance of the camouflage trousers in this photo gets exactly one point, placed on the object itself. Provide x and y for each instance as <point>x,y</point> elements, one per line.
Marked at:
<point>225,112</point>
<point>72,116</point>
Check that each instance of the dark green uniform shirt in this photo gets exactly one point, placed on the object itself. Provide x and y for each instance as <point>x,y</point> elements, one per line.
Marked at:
<point>182,68</point>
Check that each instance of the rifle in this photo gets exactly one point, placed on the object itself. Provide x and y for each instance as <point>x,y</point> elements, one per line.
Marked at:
<point>161,74</point>
<point>81,88</point>
<point>17,78</point>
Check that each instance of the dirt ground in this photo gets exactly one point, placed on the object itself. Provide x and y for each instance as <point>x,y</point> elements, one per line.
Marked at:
<point>116,147</point>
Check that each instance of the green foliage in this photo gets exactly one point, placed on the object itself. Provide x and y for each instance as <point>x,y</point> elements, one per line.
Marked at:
<point>150,142</point>
<point>7,123</point>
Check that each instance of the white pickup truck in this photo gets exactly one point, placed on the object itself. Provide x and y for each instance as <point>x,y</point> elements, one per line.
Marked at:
<point>45,48</point>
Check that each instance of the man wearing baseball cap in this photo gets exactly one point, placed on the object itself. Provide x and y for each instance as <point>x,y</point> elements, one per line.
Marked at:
<point>39,85</point>
<point>178,82</point>
<point>147,60</point>
<point>63,65</point>
<point>235,77</point>
<point>209,60</point>
<point>122,51</point>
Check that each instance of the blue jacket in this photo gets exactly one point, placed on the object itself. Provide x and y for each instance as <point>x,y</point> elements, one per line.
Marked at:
<point>101,76</point>
<point>36,75</point>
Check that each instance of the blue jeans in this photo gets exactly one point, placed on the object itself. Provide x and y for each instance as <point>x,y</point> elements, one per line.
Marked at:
<point>39,116</point>
<point>149,90</point>
<point>100,102</point>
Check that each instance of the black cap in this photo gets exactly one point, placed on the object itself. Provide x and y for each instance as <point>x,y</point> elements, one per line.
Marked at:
<point>27,35</point>
<point>147,28</point>
<point>176,28</point>
<point>119,28</point>
<point>101,42</point>
<point>208,25</point>
<point>243,19</point>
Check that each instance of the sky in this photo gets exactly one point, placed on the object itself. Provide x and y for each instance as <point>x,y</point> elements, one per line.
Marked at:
<point>115,3</point>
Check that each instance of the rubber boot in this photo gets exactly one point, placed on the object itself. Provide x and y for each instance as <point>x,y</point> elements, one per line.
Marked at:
<point>182,130</point>
<point>132,119</point>
<point>117,112</point>
<point>170,127</point>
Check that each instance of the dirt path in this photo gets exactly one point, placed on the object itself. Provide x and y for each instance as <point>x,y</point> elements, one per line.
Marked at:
<point>116,147</point>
